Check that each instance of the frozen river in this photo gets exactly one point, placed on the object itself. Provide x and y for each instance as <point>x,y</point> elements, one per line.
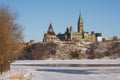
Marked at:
<point>69,70</point>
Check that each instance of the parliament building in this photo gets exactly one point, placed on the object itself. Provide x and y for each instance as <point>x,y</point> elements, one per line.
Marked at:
<point>70,35</point>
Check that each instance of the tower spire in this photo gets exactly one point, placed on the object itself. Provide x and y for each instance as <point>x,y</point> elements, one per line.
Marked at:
<point>81,20</point>
<point>50,22</point>
<point>50,26</point>
<point>50,29</point>
<point>80,23</point>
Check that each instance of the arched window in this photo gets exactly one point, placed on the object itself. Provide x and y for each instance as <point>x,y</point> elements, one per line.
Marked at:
<point>51,38</point>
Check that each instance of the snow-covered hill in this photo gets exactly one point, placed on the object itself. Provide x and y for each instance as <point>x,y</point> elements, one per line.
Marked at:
<point>71,51</point>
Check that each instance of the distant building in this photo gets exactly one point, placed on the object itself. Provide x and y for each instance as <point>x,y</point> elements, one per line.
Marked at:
<point>99,37</point>
<point>70,35</point>
<point>50,35</point>
<point>31,41</point>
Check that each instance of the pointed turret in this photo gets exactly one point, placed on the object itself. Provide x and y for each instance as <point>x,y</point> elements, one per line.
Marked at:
<point>50,30</point>
<point>71,29</point>
<point>80,24</point>
<point>50,26</point>
<point>67,30</point>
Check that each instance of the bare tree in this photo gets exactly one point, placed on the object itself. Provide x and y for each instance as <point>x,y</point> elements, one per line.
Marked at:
<point>10,37</point>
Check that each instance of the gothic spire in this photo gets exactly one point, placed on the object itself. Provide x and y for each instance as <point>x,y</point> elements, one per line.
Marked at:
<point>80,24</point>
<point>80,18</point>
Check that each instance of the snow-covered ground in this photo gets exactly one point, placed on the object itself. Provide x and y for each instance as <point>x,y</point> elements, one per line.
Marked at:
<point>66,73</point>
<point>95,61</point>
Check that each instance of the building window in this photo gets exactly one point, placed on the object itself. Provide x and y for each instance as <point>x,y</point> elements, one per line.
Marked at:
<point>51,38</point>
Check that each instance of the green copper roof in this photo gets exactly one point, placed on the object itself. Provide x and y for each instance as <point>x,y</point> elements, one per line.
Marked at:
<point>77,33</point>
